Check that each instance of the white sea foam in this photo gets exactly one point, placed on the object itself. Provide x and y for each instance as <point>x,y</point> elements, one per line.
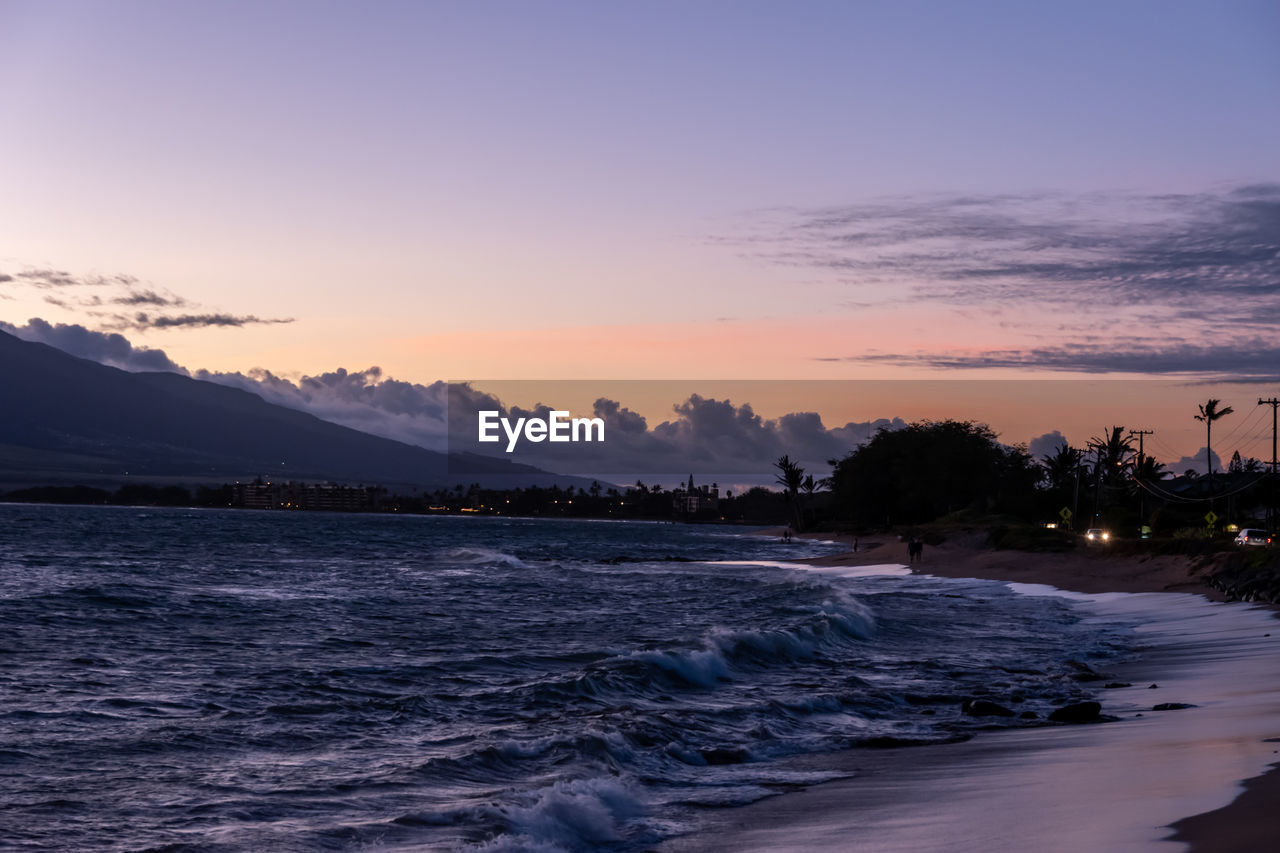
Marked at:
<point>879,570</point>
<point>480,557</point>
<point>579,814</point>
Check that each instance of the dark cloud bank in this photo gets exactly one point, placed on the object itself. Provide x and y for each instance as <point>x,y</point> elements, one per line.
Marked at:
<point>104,347</point>
<point>702,435</point>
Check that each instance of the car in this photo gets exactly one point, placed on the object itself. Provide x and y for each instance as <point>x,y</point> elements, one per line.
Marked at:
<point>1253,536</point>
<point>1096,536</point>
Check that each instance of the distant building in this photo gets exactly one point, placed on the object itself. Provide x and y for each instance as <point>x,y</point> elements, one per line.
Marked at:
<point>692,499</point>
<point>331,497</point>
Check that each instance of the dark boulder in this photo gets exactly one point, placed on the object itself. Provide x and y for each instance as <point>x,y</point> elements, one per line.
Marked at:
<point>1079,712</point>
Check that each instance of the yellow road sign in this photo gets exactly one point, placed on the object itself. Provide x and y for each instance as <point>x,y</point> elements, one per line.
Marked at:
<point>1211,516</point>
<point>1065,513</point>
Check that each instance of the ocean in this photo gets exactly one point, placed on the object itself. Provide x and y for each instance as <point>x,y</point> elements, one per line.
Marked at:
<point>220,680</point>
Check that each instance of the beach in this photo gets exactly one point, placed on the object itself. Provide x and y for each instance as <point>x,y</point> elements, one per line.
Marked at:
<point>1200,776</point>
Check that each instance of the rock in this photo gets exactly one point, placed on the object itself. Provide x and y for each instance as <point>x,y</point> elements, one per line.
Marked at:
<point>983,708</point>
<point>1080,712</point>
<point>1172,706</point>
<point>1113,684</point>
<point>1029,715</point>
<point>1153,686</point>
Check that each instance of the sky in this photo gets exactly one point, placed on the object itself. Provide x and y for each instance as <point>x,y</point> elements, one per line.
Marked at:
<point>658,190</point>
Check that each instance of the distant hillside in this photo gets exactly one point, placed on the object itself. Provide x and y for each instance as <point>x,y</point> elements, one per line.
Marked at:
<point>64,419</point>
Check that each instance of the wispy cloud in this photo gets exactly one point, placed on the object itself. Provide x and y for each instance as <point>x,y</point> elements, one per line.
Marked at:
<point>150,297</point>
<point>1246,359</point>
<point>46,278</point>
<point>91,296</point>
<point>143,321</point>
<point>1206,264</point>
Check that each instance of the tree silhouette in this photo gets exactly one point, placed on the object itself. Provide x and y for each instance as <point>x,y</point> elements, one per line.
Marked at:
<point>1209,412</point>
<point>791,478</point>
<point>928,469</point>
<point>1062,466</point>
<point>1114,454</point>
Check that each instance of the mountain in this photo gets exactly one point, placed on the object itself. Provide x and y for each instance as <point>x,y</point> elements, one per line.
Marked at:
<point>65,419</point>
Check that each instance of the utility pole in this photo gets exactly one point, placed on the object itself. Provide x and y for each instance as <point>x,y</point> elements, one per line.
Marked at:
<point>1097,484</point>
<point>1273,403</point>
<point>1142,492</point>
<point>1271,508</point>
<point>1075,500</point>
<point>1140,433</point>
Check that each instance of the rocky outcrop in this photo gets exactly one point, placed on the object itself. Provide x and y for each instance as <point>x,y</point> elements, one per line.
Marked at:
<point>1078,712</point>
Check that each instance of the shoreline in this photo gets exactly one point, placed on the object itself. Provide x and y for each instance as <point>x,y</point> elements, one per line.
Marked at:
<point>1208,776</point>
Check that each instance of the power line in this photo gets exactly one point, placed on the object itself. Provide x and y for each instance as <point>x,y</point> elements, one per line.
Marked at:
<point>1240,425</point>
<point>1174,497</point>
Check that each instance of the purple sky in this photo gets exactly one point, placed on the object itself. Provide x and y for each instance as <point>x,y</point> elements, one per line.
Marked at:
<point>648,190</point>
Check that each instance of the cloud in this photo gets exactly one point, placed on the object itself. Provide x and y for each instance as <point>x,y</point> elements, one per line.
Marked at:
<point>131,293</point>
<point>105,348</point>
<point>143,321</point>
<point>1119,265</point>
<point>361,399</point>
<point>1110,248</point>
<point>150,297</point>
<point>49,278</point>
<point>1047,444</point>
<point>1249,359</point>
<point>704,436</point>
<point>1197,464</point>
<point>46,278</point>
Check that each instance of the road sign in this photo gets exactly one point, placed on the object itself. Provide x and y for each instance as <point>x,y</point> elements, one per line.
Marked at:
<point>1065,513</point>
<point>1211,516</point>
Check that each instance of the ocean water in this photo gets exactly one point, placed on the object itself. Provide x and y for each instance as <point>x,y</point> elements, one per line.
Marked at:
<point>236,680</point>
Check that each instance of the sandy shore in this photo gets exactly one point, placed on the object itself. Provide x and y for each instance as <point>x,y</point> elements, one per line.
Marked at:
<point>1192,779</point>
<point>1091,570</point>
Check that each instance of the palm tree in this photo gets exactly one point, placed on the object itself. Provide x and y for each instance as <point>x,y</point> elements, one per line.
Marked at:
<point>1113,453</point>
<point>1209,412</point>
<point>1149,469</point>
<point>810,486</point>
<point>791,478</point>
<point>1062,474</point>
<point>1062,466</point>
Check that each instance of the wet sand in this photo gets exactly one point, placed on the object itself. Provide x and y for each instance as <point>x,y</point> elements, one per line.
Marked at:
<point>1151,781</point>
